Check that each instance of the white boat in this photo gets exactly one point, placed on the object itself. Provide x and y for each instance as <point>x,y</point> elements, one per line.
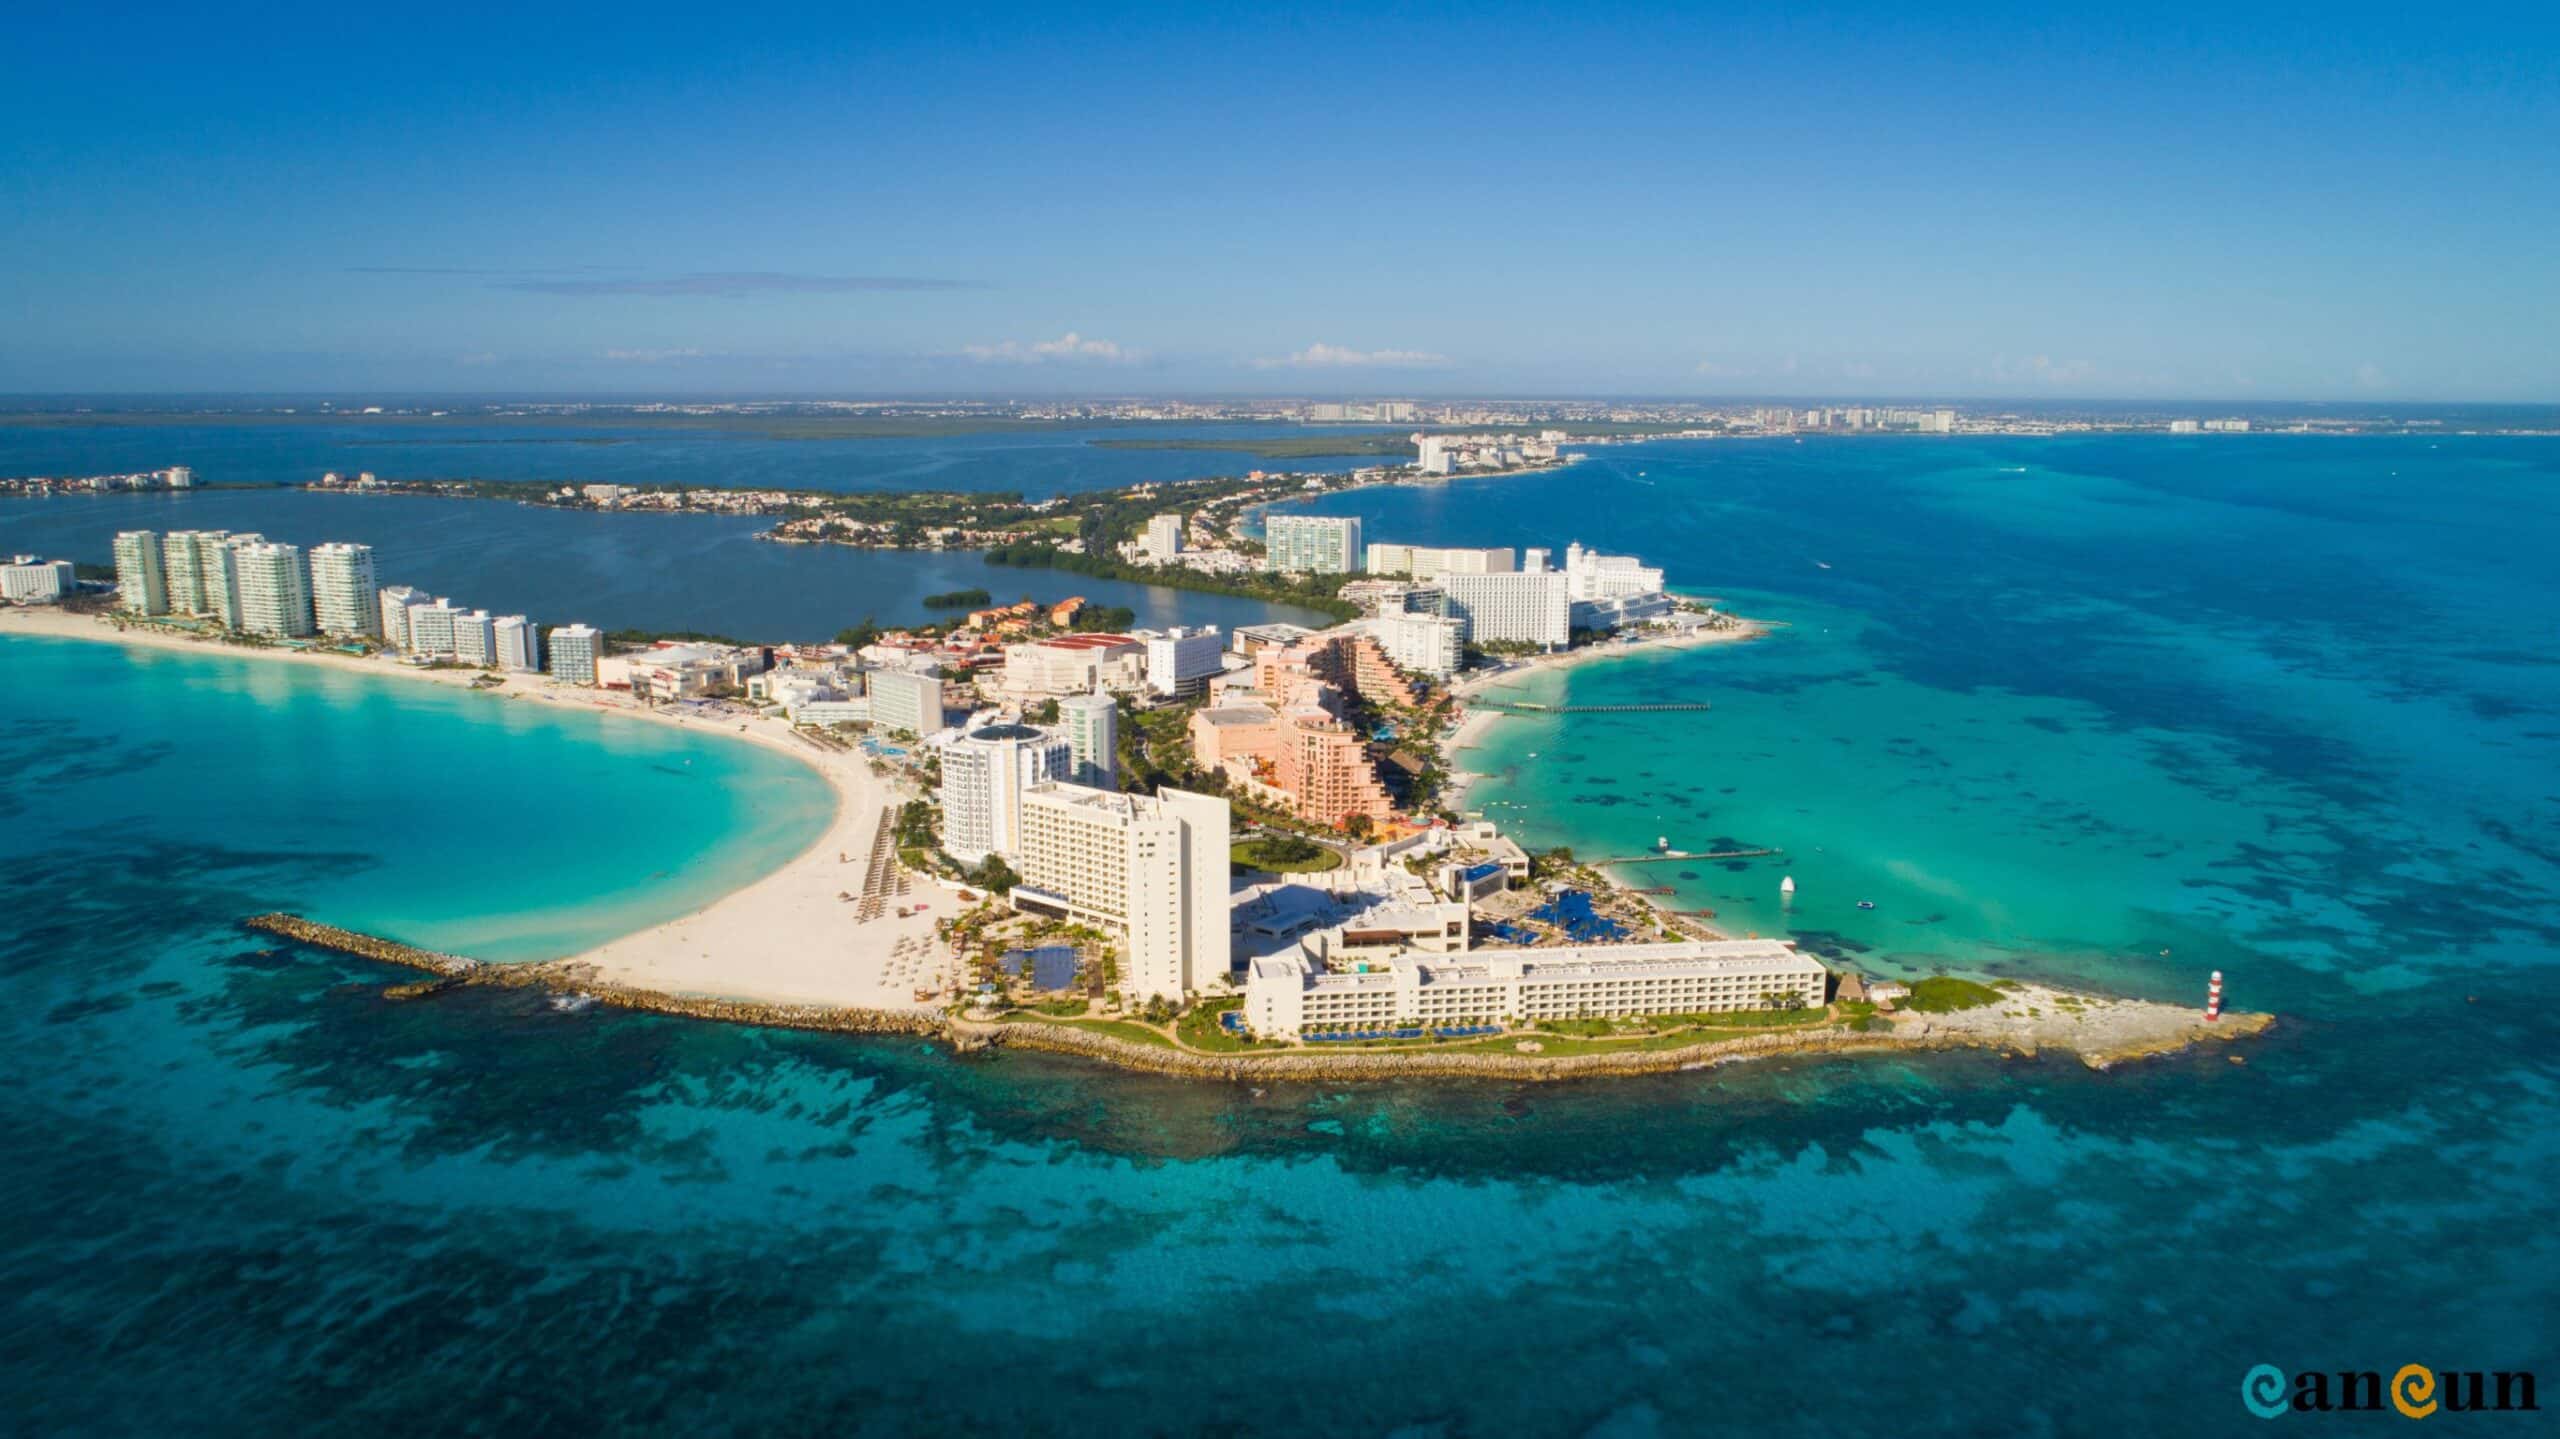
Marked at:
<point>1787,885</point>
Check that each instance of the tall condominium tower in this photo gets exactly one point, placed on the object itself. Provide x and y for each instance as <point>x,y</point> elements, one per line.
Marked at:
<point>142,586</point>
<point>345,601</point>
<point>1318,544</point>
<point>275,590</point>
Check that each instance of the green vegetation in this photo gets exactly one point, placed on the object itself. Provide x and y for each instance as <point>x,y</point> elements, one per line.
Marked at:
<point>994,875</point>
<point>1116,1028</point>
<point>1285,854</point>
<point>642,639</point>
<point>957,600</point>
<point>1944,994</point>
<point>1312,592</point>
<point>1200,1028</point>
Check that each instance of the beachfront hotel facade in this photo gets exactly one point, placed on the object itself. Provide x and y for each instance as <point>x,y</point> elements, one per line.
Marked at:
<point>985,774</point>
<point>1425,644</point>
<point>519,644</point>
<point>1289,995</point>
<point>1152,869</point>
<point>30,580</point>
<point>142,586</point>
<point>1312,544</point>
<point>475,637</point>
<point>575,649</point>
<point>904,700</point>
<point>345,601</point>
<point>1531,607</point>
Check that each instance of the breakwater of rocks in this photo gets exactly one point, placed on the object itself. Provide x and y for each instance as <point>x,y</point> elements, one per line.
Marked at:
<point>568,978</point>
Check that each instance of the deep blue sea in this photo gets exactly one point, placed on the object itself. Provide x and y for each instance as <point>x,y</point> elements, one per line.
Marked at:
<point>2286,707</point>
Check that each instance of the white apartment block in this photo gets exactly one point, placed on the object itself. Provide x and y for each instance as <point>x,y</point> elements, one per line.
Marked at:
<point>905,700</point>
<point>431,627</point>
<point>985,774</point>
<point>27,580</point>
<point>519,646</point>
<point>1150,869</point>
<point>1289,994</point>
<point>1531,607</point>
<point>1590,575</point>
<point>1091,724</point>
<point>1423,644</point>
<point>1164,537</point>
<point>142,586</point>
<point>475,638</point>
<point>575,649</point>
<point>1180,661</point>
<point>1430,562</point>
<point>393,603</point>
<point>1317,544</point>
<point>345,601</point>
<point>274,584</point>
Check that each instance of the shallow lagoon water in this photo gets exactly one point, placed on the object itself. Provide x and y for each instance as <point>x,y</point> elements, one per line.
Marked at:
<point>252,1194</point>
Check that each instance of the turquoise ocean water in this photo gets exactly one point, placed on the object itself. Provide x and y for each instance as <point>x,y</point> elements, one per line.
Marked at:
<point>2287,708</point>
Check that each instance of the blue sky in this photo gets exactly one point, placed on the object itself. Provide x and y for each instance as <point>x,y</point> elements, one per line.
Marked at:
<point>2307,202</point>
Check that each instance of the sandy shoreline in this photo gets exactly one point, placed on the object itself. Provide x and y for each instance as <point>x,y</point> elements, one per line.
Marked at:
<point>784,939</point>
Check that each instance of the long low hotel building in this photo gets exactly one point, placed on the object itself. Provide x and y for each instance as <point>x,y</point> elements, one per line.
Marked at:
<point>1287,995</point>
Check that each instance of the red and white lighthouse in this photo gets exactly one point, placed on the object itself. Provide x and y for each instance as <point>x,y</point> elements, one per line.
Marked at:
<point>2213,998</point>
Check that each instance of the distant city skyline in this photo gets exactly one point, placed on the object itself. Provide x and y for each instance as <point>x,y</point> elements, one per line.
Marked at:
<point>1855,203</point>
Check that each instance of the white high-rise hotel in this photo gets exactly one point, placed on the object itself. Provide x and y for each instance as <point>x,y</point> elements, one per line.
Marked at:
<point>1153,869</point>
<point>985,773</point>
<point>574,652</point>
<point>1531,607</point>
<point>345,601</point>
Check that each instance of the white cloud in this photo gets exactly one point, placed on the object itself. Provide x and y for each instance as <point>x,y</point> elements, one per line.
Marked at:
<point>1327,357</point>
<point>653,357</point>
<point>1069,346</point>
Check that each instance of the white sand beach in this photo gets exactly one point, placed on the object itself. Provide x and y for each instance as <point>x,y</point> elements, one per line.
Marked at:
<point>785,939</point>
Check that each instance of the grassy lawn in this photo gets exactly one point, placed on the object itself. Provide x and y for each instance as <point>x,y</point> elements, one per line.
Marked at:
<point>1252,855</point>
<point>1116,1028</point>
<point>1942,994</point>
<point>1201,1030</point>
